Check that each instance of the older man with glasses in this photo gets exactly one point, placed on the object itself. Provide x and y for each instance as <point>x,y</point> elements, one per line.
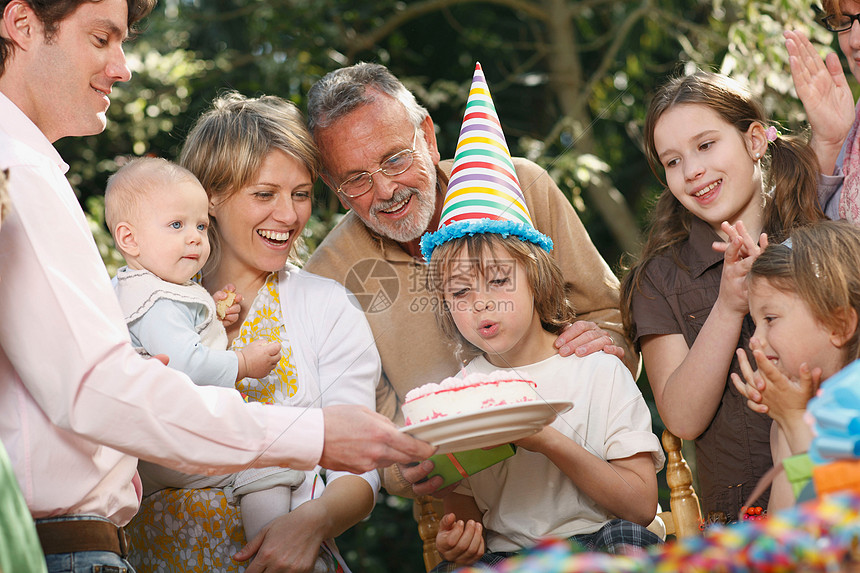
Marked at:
<point>379,154</point>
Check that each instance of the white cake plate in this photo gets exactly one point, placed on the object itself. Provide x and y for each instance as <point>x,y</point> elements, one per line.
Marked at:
<point>490,427</point>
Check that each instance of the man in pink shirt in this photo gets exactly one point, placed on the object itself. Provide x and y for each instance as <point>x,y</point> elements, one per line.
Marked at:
<point>77,404</point>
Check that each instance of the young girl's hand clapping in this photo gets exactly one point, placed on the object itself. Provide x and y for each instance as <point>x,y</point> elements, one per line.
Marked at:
<point>740,252</point>
<point>770,391</point>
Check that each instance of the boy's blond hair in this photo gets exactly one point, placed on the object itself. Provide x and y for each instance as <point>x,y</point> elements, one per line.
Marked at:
<point>543,277</point>
<point>129,189</point>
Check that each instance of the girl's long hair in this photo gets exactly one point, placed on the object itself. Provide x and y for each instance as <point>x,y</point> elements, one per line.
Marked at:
<point>790,169</point>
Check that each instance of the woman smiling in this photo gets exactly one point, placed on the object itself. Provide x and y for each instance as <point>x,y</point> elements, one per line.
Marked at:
<point>258,163</point>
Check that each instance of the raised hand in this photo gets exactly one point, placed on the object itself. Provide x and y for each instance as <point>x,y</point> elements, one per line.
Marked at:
<point>826,97</point>
<point>740,251</point>
<point>539,441</point>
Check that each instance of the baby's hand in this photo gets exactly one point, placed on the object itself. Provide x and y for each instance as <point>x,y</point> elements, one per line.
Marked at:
<point>227,304</point>
<point>458,542</point>
<point>740,251</point>
<point>258,359</point>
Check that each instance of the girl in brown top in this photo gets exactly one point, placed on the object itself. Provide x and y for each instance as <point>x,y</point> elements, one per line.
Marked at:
<point>729,178</point>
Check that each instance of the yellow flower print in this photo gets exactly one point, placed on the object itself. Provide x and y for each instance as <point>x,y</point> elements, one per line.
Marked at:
<point>266,313</point>
<point>287,375</point>
<point>264,321</point>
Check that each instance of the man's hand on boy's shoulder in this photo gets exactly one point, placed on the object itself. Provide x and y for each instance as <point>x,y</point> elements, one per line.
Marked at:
<point>583,338</point>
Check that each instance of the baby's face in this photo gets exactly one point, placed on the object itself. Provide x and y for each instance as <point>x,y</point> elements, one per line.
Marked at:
<point>171,232</point>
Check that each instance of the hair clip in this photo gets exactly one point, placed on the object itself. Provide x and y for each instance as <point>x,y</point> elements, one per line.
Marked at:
<point>787,242</point>
<point>816,270</point>
<point>771,133</point>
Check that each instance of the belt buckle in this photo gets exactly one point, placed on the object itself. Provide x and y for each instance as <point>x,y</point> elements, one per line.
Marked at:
<point>123,542</point>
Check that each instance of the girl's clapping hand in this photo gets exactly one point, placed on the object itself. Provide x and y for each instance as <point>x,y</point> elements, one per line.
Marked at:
<point>769,391</point>
<point>740,251</point>
<point>460,542</point>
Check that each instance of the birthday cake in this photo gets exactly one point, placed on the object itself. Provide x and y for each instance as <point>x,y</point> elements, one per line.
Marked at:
<point>472,393</point>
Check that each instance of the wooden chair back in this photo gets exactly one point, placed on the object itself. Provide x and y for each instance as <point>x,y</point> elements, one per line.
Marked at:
<point>429,510</point>
<point>685,516</point>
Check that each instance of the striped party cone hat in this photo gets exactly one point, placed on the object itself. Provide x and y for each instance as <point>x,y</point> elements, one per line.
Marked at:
<point>484,194</point>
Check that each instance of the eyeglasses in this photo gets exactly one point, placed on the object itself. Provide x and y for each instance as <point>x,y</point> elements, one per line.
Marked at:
<point>361,183</point>
<point>841,23</point>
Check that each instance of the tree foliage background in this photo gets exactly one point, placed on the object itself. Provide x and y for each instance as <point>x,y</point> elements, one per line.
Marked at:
<point>570,79</point>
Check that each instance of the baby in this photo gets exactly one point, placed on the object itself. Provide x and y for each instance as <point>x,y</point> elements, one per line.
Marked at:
<point>158,214</point>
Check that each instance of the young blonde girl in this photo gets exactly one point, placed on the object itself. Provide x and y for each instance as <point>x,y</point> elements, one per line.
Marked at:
<point>729,178</point>
<point>503,299</point>
<point>804,297</point>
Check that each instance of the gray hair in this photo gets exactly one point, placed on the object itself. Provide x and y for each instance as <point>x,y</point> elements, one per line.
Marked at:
<point>342,91</point>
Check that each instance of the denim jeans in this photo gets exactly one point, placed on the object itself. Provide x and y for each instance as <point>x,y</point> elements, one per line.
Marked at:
<point>85,561</point>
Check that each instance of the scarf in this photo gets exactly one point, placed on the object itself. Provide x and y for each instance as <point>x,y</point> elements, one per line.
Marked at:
<point>849,200</point>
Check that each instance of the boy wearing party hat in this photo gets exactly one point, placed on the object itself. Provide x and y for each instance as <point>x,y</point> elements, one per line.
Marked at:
<point>361,116</point>
<point>503,300</point>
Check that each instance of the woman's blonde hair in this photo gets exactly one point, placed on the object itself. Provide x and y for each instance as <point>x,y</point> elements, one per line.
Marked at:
<point>543,276</point>
<point>228,143</point>
<point>791,172</point>
<point>822,267</point>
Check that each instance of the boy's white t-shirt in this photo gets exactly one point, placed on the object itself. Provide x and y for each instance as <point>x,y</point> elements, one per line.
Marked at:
<point>526,497</point>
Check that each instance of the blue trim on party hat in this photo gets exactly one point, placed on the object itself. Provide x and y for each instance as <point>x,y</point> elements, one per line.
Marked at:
<point>474,227</point>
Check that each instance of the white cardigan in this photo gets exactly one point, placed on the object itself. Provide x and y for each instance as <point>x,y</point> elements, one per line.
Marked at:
<point>333,347</point>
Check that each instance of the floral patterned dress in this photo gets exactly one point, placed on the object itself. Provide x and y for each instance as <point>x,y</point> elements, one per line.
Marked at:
<point>196,529</point>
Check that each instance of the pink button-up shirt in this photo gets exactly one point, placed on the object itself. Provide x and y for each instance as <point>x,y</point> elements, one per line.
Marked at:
<point>78,406</point>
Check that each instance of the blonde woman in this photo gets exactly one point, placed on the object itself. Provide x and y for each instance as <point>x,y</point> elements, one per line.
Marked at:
<point>257,163</point>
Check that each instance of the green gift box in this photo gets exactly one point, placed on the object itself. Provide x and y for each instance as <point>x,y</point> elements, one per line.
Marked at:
<point>455,466</point>
<point>798,470</point>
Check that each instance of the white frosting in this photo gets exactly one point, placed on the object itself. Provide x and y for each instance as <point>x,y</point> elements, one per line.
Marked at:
<point>471,393</point>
